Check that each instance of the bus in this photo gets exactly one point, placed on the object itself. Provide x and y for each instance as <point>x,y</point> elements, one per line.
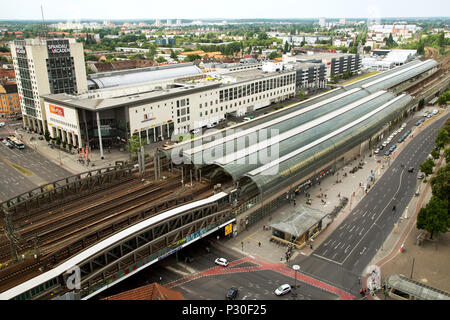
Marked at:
<point>16,142</point>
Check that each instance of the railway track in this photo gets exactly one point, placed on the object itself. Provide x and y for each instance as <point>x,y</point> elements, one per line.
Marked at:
<point>56,229</point>
<point>56,247</point>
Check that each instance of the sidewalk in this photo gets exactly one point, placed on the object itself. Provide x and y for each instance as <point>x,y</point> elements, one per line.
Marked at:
<point>70,161</point>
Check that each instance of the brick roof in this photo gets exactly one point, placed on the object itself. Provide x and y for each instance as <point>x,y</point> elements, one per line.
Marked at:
<point>122,65</point>
<point>152,291</point>
<point>7,73</point>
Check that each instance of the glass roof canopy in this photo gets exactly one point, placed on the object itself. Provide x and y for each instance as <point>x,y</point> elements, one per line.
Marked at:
<point>415,288</point>
<point>271,177</point>
<point>236,152</point>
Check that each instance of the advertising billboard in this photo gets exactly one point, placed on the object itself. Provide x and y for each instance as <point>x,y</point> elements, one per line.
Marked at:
<point>56,110</point>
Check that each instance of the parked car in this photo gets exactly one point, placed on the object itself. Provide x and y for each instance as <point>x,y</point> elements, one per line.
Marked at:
<point>2,124</point>
<point>388,152</point>
<point>393,147</point>
<point>403,125</point>
<point>381,147</point>
<point>195,131</point>
<point>376,151</point>
<point>283,289</point>
<point>411,169</point>
<point>221,262</point>
<point>211,125</point>
<point>420,175</point>
<point>232,293</point>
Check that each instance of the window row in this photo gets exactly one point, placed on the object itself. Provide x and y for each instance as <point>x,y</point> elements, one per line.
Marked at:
<point>256,87</point>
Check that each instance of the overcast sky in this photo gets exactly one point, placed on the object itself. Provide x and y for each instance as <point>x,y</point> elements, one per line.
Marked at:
<point>223,9</point>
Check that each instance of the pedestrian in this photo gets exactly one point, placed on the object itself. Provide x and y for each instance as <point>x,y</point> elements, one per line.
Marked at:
<point>294,203</point>
<point>259,244</point>
<point>339,195</point>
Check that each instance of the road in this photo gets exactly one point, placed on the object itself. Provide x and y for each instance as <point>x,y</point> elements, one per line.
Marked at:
<point>15,182</point>
<point>202,279</point>
<point>350,248</point>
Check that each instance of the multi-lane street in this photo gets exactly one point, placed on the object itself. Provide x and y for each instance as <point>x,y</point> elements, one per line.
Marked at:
<point>15,182</point>
<point>348,250</point>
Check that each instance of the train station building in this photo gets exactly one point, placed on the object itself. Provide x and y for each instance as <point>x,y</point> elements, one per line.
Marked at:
<point>312,139</point>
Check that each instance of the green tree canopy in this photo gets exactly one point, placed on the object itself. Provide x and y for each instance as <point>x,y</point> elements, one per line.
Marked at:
<point>435,217</point>
<point>442,138</point>
<point>161,59</point>
<point>440,183</point>
<point>427,166</point>
<point>447,155</point>
<point>134,144</point>
<point>192,57</point>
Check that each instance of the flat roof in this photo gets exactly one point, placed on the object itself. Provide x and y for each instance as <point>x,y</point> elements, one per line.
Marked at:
<point>298,220</point>
<point>95,104</point>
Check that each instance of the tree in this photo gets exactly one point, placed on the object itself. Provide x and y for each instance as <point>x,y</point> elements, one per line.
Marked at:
<point>435,154</point>
<point>435,217</point>
<point>58,141</point>
<point>442,138</point>
<point>91,57</point>
<point>134,144</point>
<point>427,166</point>
<point>447,155</point>
<point>173,55</point>
<point>301,95</point>
<point>440,183</point>
<point>272,55</point>
<point>421,48</point>
<point>47,136</point>
<point>192,57</point>
<point>367,49</point>
<point>286,47</point>
<point>161,59</point>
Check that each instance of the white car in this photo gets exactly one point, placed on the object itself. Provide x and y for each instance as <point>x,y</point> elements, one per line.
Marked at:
<point>283,289</point>
<point>384,144</point>
<point>211,125</point>
<point>403,125</point>
<point>221,262</point>
<point>195,131</point>
<point>376,151</point>
<point>2,124</point>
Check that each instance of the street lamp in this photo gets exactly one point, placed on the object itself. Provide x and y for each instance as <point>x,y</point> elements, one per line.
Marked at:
<point>296,267</point>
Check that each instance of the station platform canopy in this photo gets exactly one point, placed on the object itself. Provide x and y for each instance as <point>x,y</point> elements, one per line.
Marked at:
<point>298,220</point>
<point>281,147</point>
<point>415,289</point>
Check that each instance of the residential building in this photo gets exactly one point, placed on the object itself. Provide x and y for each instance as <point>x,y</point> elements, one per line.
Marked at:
<point>9,101</point>
<point>44,67</point>
<point>335,63</point>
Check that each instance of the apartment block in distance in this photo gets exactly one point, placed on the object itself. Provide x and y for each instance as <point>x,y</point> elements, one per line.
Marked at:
<point>46,67</point>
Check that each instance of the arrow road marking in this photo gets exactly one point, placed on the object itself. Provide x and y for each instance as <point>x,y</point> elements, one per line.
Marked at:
<point>363,250</point>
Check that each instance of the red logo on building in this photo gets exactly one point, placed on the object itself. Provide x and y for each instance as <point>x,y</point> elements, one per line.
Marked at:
<point>56,110</point>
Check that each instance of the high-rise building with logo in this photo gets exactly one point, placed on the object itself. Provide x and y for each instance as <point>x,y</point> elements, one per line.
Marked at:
<point>43,67</point>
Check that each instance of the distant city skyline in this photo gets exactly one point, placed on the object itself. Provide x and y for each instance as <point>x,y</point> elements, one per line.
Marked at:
<point>232,9</point>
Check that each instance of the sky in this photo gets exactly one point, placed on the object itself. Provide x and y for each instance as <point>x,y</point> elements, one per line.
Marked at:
<point>215,9</point>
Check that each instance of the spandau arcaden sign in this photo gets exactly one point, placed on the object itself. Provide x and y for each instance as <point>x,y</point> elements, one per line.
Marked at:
<point>58,48</point>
